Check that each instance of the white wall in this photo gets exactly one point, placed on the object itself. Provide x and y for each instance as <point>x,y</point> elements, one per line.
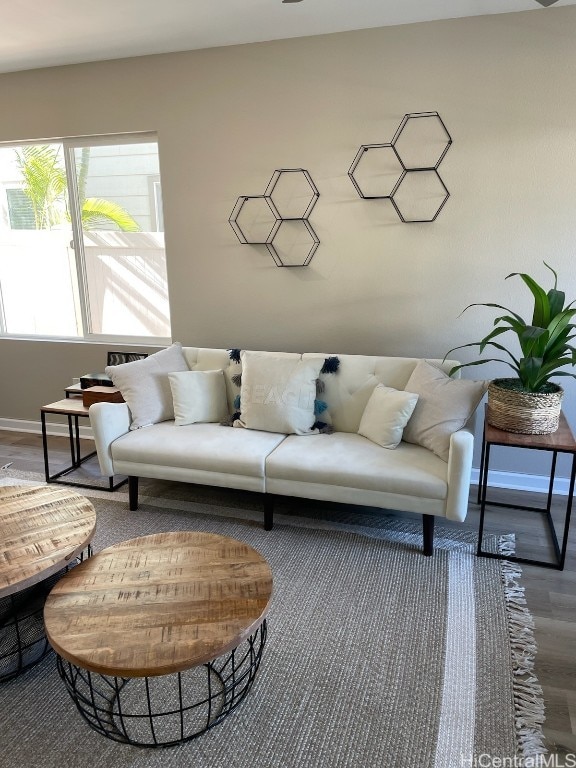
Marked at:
<point>226,118</point>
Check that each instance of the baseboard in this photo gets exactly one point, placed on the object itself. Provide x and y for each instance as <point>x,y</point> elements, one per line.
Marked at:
<point>516,481</point>
<point>35,428</point>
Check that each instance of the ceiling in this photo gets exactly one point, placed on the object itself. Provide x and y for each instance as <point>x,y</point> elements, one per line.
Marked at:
<point>34,34</point>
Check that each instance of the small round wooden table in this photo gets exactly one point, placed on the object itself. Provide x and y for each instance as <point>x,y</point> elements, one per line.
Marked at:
<point>160,637</point>
<point>42,532</point>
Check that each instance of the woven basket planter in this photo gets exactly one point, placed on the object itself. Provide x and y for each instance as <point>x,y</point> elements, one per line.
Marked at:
<point>528,413</point>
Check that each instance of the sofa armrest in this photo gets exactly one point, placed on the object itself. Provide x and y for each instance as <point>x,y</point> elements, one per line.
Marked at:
<point>109,421</point>
<point>459,473</point>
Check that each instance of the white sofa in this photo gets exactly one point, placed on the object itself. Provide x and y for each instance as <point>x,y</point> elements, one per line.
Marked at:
<point>342,466</point>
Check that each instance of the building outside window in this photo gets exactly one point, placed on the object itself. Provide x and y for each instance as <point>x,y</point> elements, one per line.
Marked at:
<point>81,240</point>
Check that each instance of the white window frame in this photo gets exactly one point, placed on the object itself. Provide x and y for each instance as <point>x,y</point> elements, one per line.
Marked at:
<point>85,334</point>
<point>155,193</point>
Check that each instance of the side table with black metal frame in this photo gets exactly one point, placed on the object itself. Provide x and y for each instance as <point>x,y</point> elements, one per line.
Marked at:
<point>73,408</point>
<point>561,441</point>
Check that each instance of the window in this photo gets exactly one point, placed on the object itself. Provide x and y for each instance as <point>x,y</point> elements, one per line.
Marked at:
<point>20,209</point>
<point>81,240</point>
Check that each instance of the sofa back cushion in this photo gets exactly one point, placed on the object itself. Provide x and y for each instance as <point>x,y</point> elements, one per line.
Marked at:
<point>346,392</point>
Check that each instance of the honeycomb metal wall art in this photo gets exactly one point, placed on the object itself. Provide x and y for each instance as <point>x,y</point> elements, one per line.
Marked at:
<point>405,169</point>
<point>254,219</point>
<point>278,219</point>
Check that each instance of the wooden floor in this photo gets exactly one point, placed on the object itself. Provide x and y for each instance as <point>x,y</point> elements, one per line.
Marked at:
<point>551,594</point>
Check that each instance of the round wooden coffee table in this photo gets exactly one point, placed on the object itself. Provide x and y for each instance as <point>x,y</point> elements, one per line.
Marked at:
<point>42,532</point>
<point>160,637</point>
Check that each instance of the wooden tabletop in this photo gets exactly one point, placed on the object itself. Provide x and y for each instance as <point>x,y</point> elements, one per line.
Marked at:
<point>74,389</point>
<point>68,406</point>
<point>41,530</point>
<point>158,604</point>
<point>561,440</point>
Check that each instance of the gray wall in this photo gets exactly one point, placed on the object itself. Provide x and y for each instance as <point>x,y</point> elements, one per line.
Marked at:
<point>227,117</point>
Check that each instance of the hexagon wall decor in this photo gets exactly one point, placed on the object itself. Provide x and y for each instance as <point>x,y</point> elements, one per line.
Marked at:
<point>419,196</point>
<point>375,170</point>
<point>293,193</point>
<point>254,219</point>
<point>293,244</point>
<point>421,141</point>
<point>278,219</point>
<point>405,170</point>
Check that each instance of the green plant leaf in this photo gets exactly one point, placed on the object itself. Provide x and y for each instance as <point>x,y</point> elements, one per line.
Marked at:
<point>480,362</point>
<point>461,346</point>
<point>556,301</point>
<point>96,211</point>
<point>507,351</point>
<point>529,370</point>
<point>560,323</point>
<point>483,344</point>
<point>513,322</point>
<point>514,364</point>
<point>541,314</point>
<point>564,373</point>
<point>487,339</point>
<point>533,341</point>
<point>554,273</point>
<point>561,373</point>
<point>495,306</point>
<point>547,372</point>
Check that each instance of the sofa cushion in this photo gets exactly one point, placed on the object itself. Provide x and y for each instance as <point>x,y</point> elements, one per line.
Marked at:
<point>444,406</point>
<point>278,392</point>
<point>198,396</point>
<point>386,414</point>
<point>347,393</point>
<point>353,461</point>
<point>145,387</point>
<point>204,447</point>
<point>206,359</point>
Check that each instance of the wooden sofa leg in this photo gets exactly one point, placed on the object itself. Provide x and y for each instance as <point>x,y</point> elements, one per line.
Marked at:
<point>268,511</point>
<point>133,493</point>
<point>428,532</point>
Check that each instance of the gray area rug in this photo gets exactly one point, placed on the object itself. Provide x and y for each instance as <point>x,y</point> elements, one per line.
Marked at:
<point>376,655</point>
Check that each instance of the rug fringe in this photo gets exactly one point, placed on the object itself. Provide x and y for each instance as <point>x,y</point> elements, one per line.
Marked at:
<point>528,697</point>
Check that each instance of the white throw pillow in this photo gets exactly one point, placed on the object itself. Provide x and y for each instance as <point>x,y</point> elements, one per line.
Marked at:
<point>198,396</point>
<point>278,392</point>
<point>386,414</point>
<point>145,387</point>
<point>444,406</point>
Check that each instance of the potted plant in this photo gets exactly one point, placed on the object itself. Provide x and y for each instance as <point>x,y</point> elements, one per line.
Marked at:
<point>530,403</point>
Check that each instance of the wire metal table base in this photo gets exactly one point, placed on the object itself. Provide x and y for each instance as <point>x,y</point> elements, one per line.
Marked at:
<point>23,640</point>
<point>168,709</point>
